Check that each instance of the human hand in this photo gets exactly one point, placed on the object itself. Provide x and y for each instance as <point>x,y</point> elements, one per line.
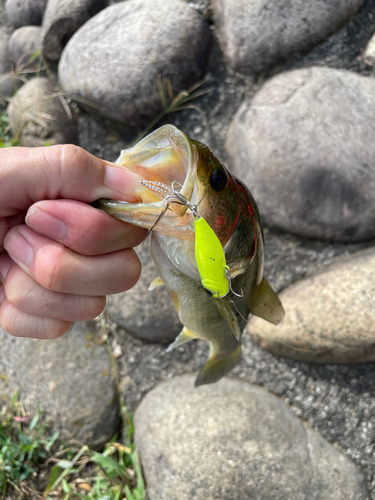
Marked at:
<point>60,257</point>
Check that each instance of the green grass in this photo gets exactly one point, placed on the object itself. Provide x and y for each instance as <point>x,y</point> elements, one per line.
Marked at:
<point>23,446</point>
<point>113,474</point>
<point>6,140</point>
<point>74,471</point>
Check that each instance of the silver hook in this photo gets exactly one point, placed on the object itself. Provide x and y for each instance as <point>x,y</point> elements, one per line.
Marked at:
<point>227,275</point>
<point>182,199</point>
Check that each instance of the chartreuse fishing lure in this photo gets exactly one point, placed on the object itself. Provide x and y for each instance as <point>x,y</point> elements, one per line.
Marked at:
<point>210,258</point>
<point>209,253</point>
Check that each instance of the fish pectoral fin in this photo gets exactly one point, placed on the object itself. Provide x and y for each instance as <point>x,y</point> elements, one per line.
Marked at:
<point>226,310</point>
<point>217,366</point>
<point>183,337</point>
<point>155,283</point>
<point>264,302</point>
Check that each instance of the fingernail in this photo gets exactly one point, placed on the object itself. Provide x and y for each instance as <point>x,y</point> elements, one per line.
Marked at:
<point>45,223</point>
<point>120,180</point>
<point>18,247</point>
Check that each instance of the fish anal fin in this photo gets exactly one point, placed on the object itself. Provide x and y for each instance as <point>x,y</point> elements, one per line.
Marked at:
<point>226,310</point>
<point>183,337</point>
<point>218,366</point>
<point>155,283</point>
<point>264,302</point>
<point>176,301</point>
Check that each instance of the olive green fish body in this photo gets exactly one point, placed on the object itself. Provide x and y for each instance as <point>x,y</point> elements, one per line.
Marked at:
<point>197,313</point>
<point>168,160</point>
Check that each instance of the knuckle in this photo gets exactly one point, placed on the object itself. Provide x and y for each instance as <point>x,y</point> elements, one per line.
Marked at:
<point>68,154</point>
<point>72,157</point>
<point>8,318</point>
<point>14,295</point>
<point>18,292</point>
<point>52,272</point>
<point>61,157</point>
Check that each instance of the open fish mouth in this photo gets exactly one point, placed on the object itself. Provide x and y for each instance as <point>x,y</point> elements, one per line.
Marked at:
<point>165,159</point>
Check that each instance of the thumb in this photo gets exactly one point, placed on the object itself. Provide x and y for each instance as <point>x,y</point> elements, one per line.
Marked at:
<point>28,175</point>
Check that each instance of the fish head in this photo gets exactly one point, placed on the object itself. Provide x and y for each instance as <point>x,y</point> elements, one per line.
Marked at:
<point>169,163</point>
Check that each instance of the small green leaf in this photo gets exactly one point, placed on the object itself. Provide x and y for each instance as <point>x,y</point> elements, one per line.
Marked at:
<point>14,399</point>
<point>34,55</point>
<point>34,421</point>
<point>55,473</point>
<point>51,441</point>
<point>109,465</point>
<point>129,495</point>
<point>65,486</point>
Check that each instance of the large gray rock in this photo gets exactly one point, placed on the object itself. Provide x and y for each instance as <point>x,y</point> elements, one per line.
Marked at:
<point>115,59</point>
<point>305,146</point>
<point>257,35</point>
<point>146,315</point>
<point>5,62</point>
<point>23,45</point>
<point>25,12</point>
<point>235,441</point>
<point>69,376</point>
<point>62,19</point>
<point>37,115</point>
<point>330,317</point>
<point>8,84</point>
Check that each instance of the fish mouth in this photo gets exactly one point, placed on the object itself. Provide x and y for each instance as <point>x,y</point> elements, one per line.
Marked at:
<point>167,161</point>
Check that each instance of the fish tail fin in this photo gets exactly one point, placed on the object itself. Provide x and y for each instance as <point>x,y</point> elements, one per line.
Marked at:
<point>217,366</point>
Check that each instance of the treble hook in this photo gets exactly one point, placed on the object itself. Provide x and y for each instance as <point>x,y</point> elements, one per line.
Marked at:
<point>227,275</point>
<point>181,198</point>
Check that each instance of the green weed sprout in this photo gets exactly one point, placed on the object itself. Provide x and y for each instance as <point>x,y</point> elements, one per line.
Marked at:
<point>23,446</point>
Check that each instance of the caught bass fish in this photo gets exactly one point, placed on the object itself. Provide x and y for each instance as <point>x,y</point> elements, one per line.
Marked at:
<point>206,242</point>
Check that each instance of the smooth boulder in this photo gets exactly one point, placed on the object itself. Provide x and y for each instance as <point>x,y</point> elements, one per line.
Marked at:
<point>329,317</point>
<point>71,379</point>
<point>38,117</point>
<point>235,441</point>
<point>8,85</point>
<point>115,60</point>
<point>25,12</point>
<point>305,146</point>
<point>258,35</point>
<point>62,20</point>
<point>25,46</point>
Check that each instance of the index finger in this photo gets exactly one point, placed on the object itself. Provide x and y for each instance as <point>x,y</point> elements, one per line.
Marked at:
<point>28,175</point>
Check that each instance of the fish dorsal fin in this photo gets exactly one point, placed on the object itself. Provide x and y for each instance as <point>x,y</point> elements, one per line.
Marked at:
<point>157,282</point>
<point>264,302</point>
<point>184,336</point>
<point>226,310</point>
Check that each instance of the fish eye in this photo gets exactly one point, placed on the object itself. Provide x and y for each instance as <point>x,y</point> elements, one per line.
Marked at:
<point>218,179</point>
